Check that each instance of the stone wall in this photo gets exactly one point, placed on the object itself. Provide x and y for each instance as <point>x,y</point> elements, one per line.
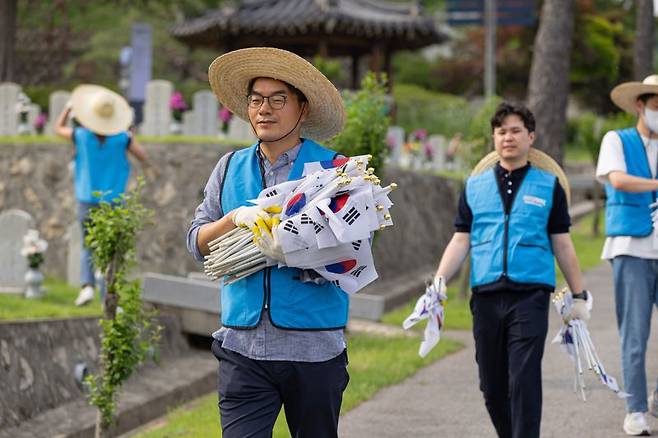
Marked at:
<point>38,361</point>
<point>38,179</point>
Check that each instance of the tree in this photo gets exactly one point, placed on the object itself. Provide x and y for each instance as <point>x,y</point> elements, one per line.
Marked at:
<point>644,42</point>
<point>548,89</point>
<point>8,12</point>
<point>128,332</point>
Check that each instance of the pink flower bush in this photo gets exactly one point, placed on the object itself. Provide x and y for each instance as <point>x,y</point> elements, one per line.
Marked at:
<point>177,105</point>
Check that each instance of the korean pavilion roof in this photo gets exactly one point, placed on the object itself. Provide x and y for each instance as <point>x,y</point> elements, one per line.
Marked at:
<point>345,27</point>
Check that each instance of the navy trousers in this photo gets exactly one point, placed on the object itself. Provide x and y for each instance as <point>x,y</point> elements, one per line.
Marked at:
<point>251,393</point>
<point>510,330</point>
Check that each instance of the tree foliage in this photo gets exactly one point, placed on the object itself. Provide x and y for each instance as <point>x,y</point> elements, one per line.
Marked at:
<point>367,122</point>
<point>128,333</point>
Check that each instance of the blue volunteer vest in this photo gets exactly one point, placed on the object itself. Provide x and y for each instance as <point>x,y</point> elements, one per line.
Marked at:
<point>626,213</point>
<point>517,245</point>
<point>292,304</point>
<point>100,167</point>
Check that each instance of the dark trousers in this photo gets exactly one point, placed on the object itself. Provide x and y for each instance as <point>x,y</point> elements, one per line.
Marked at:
<point>510,330</point>
<point>251,393</point>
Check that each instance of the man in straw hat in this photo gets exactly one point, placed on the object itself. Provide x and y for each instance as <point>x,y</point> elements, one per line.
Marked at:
<point>282,339</point>
<point>102,144</point>
<point>513,218</point>
<point>627,166</point>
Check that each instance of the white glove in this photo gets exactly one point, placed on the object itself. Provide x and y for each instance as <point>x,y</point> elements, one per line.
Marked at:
<point>580,308</point>
<point>247,216</point>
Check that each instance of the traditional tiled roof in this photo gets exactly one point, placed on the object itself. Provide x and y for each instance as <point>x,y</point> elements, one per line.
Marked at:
<point>398,25</point>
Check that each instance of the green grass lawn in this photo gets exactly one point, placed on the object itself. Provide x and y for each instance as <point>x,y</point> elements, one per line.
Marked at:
<point>375,362</point>
<point>57,302</point>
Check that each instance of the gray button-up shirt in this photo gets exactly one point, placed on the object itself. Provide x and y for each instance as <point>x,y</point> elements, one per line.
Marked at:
<point>265,342</point>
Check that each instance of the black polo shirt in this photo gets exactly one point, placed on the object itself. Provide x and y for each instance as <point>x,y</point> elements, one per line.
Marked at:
<point>559,220</point>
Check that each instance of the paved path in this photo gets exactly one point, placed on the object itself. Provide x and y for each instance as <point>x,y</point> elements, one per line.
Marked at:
<point>443,399</point>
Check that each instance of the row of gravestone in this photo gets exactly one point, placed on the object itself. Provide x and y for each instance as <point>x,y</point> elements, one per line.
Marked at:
<point>202,120</point>
<point>14,224</point>
<point>434,153</point>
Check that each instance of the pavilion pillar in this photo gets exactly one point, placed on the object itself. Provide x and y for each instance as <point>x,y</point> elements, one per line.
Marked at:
<point>323,49</point>
<point>355,70</point>
<point>377,58</point>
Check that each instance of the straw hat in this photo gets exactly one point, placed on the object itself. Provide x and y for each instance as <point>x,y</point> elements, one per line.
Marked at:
<point>625,95</point>
<point>537,158</point>
<point>101,110</point>
<point>230,74</point>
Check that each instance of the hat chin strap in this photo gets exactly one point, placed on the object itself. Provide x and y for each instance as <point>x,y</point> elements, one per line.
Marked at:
<point>260,140</point>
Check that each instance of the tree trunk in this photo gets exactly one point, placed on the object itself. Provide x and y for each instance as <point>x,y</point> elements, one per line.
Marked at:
<point>7,39</point>
<point>643,48</point>
<point>548,89</point>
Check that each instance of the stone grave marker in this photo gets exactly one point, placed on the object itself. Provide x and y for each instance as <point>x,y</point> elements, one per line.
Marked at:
<point>206,116</point>
<point>189,123</point>
<point>74,234</point>
<point>8,117</point>
<point>395,138</point>
<point>241,130</point>
<point>56,103</point>
<point>439,145</point>
<point>14,224</point>
<point>157,114</point>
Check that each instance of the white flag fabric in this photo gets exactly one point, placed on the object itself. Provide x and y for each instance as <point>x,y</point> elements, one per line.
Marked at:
<point>429,306</point>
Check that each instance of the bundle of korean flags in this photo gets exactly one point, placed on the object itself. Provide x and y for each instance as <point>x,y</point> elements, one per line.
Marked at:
<point>325,224</point>
<point>575,340</point>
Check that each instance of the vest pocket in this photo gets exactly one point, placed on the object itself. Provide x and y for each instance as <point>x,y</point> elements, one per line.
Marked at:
<point>532,245</point>
<point>475,245</point>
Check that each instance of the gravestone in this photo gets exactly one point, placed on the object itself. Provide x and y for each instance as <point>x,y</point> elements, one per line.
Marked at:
<point>56,103</point>
<point>395,139</point>
<point>14,224</point>
<point>157,114</point>
<point>8,117</point>
<point>74,234</point>
<point>439,145</point>
<point>206,117</point>
<point>189,124</point>
<point>240,130</point>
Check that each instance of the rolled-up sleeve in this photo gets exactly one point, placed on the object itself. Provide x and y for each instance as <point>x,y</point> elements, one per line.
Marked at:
<point>210,210</point>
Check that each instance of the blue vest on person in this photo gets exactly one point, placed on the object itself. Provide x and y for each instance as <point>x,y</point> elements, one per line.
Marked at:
<point>100,167</point>
<point>515,245</point>
<point>292,304</point>
<point>626,213</point>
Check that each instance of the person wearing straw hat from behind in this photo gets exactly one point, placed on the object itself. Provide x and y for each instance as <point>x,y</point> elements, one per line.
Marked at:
<point>627,166</point>
<point>102,143</point>
<point>513,218</point>
<point>282,340</point>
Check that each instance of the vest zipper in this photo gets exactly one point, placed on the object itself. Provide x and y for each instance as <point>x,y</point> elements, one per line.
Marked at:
<point>266,273</point>
<point>505,243</point>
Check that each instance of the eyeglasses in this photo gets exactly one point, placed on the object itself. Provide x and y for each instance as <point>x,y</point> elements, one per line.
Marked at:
<point>276,101</point>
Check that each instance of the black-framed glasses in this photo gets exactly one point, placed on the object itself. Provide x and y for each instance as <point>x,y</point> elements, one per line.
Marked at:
<point>276,101</point>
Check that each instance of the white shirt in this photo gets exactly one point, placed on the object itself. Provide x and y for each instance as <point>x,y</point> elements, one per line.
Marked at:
<point>611,158</point>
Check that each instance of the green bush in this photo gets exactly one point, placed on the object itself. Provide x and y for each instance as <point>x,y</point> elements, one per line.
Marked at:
<point>417,108</point>
<point>367,123</point>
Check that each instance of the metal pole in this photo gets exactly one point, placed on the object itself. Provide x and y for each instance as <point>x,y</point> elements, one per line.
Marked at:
<point>490,22</point>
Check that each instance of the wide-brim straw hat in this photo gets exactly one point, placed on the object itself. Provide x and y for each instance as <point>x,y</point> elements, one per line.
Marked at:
<point>537,158</point>
<point>229,77</point>
<point>625,95</point>
<point>101,110</point>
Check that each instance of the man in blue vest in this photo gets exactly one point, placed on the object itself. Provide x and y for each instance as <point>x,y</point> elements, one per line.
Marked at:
<point>281,341</point>
<point>514,220</point>
<point>627,166</point>
<point>102,144</point>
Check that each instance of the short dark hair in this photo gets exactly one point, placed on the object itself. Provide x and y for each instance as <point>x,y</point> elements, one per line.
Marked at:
<point>507,109</point>
<point>646,96</point>
<point>300,96</point>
